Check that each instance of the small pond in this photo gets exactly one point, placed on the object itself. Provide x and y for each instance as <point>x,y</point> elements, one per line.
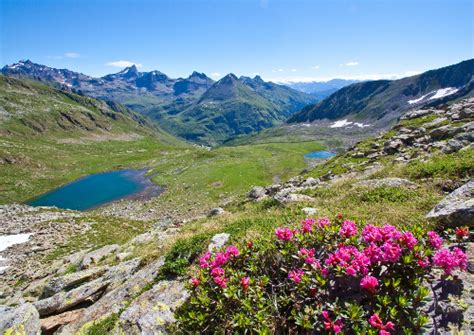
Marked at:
<point>98,189</point>
<point>320,154</point>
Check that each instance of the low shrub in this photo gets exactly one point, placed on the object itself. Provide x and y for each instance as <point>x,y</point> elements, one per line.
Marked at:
<point>323,277</point>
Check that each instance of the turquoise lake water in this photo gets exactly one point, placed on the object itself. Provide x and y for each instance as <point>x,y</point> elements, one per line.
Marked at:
<point>98,189</point>
<point>320,154</point>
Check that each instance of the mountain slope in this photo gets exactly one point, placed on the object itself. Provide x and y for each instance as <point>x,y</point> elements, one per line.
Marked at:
<point>381,102</point>
<point>32,109</point>
<point>234,106</point>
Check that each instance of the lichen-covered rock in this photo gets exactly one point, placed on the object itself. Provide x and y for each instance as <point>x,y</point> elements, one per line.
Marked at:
<point>457,208</point>
<point>71,280</point>
<point>218,241</point>
<point>152,312</point>
<point>63,301</point>
<point>23,319</point>
<point>96,256</point>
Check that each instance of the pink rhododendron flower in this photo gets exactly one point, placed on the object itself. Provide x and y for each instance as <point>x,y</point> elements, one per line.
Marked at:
<point>323,222</point>
<point>349,258</point>
<point>329,325</point>
<point>435,240</point>
<point>220,259</point>
<point>306,252</point>
<point>221,281</point>
<point>348,229</point>
<point>376,322</point>
<point>307,225</point>
<point>195,281</point>
<point>371,233</point>
<point>284,234</point>
<point>389,232</point>
<point>245,282</point>
<point>217,272</point>
<point>409,240</point>
<point>369,283</point>
<point>424,262</point>
<point>374,253</point>
<point>232,250</point>
<point>296,275</point>
<point>450,260</point>
<point>312,261</point>
<point>391,252</point>
<point>204,260</point>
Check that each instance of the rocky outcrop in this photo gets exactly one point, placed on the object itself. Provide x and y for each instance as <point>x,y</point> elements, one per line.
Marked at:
<point>456,209</point>
<point>114,300</point>
<point>23,319</point>
<point>96,256</point>
<point>218,241</point>
<point>391,182</point>
<point>153,311</point>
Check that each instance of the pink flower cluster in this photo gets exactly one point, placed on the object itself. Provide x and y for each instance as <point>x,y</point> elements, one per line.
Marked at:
<point>284,234</point>
<point>369,283</point>
<point>350,259</point>
<point>323,222</point>
<point>450,260</point>
<point>376,322</point>
<point>348,229</point>
<point>296,275</point>
<point>435,240</point>
<point>307,225</point>
<point>215,265</point>
<point>335,326</point>
<point>385,243</point>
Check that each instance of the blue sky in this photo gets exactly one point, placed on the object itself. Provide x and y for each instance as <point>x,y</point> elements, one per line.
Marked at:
<point>280,40</point>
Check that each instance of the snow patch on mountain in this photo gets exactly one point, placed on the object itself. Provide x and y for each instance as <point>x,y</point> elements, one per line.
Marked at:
<point>441,93</point>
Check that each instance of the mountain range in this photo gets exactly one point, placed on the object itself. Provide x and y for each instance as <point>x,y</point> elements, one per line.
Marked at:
<point>195,108</point>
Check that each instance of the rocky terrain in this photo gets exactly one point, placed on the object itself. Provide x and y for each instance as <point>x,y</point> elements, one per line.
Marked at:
<point>124,286</point>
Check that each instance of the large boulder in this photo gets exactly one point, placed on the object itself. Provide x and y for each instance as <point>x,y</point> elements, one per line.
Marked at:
<point>457,208</point>
<point>23,319</point>
<point>153,311</point>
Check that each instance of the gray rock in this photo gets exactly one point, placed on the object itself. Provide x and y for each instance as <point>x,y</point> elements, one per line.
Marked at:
<point>153,311</point>
<point>286,196</point>
<point>61,302</point>
<point>452,146</point>
<point>257,193</point>
<point>70,281</point>
<point>272,189</point>
<point>392,146</point>
<point>310,182</point>
<point>218,241</point>
<point>216,211</point>
<point>415,114</point>
<point>435,122</point>
<point>393,182</point>
<point>457,208</point>
<point>445,132</point>
<point>96,256</point>
<point>23,319</point>
<point>309,210</point>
